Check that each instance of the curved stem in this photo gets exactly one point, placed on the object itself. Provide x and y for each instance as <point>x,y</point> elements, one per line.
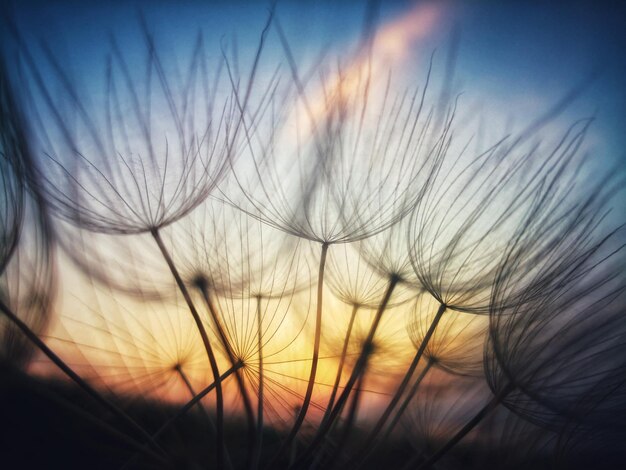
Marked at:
<point>359,368</point>
<point>78,380</point>
<point>259,437</point>
<point>406,402</point>
<point>182,411</point>
<point>471,424</point>
<point>342,360</point>
<point>405,382</point>
<point>247,403</point>
<point>190,404</point>
<point>354,405</point>
<point>201,407</point>
<point>316,352</point>
<point>192,392</point>
<point>207,346</point>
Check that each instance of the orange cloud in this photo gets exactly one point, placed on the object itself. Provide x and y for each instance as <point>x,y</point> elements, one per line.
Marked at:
<point>390,46</point>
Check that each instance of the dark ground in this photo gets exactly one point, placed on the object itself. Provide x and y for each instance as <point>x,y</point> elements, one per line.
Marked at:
<point>48,425</point>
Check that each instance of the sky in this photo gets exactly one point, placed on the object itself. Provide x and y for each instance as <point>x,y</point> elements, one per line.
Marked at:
<point>515,61</point>
<point>516,57</point>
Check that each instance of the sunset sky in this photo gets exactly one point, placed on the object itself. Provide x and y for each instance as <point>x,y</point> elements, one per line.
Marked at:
<point>313,234</point>
<point>513,63</point>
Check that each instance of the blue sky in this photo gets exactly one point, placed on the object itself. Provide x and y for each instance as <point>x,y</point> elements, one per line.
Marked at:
<point>515,59</point>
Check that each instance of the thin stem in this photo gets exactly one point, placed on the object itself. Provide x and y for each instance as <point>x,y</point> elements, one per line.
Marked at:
<point>471,424</point>
<point>316,350</point>
<point>203,287</point>
<point>344,352</point>
<point>207,346</point>
<point>405,381</point>
<point>259,437</point>
<point>342,360</point>
<point>350,420</point>
<point>293,450</point>
<point>67,370</point>
<point>192,392</point>
<point>182,411</point>
<point>190,404</point>
<point>359,368</point>
<point>407,400</point>
<point>202,409</point>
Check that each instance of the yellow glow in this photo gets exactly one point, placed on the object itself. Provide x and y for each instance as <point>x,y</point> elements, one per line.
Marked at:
<point>90,333</point>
